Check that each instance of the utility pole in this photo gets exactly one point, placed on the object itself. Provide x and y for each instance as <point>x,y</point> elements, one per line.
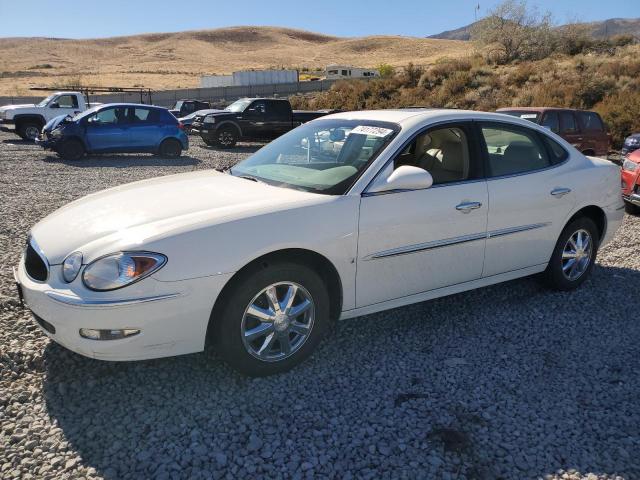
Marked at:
<point>475,11</point>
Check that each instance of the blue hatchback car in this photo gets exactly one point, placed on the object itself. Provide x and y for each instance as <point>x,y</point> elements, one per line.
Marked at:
<point>116,127</point>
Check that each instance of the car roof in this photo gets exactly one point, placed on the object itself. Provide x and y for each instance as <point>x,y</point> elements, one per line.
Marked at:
<point>540,109</point>
<point>132,105</point>
<point>411,116</point>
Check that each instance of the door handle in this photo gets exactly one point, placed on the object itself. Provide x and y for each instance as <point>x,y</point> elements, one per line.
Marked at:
<point>466,207</point>
<point>560,192</point>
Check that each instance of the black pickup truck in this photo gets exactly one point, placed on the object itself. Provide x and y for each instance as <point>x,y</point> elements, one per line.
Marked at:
<point>251,119</point>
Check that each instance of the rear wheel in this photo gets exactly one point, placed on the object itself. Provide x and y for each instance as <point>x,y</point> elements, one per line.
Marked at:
<point>70,150</point>
<point>272,320</point>
<point>29,130</point>
<point>170,148</point>
<point>574,255</point>
<point>631,209</point>
<point>227,137</point>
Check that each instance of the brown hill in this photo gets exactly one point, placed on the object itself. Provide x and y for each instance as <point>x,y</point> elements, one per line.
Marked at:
<point>176,60</point>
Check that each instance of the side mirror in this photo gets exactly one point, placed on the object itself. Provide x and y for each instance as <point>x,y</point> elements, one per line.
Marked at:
<point>54,105</point>
<point>404,177</point>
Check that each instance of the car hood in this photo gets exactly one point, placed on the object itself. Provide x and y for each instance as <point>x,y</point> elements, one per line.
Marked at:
<point>16,107</point>
<point>131,215</point>
<point>54,122</point>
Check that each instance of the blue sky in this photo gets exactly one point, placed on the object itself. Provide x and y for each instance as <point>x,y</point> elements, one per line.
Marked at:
<point>90,19</point>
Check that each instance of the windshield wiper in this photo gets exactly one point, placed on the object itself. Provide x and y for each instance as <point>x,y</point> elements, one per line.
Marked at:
<point>249,177</point>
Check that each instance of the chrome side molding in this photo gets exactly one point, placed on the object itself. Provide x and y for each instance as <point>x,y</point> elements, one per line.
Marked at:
<point>447,242</point>
<point>76,301</point>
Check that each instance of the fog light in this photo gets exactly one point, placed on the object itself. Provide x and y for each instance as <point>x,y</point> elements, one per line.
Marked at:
<point>94,334</point>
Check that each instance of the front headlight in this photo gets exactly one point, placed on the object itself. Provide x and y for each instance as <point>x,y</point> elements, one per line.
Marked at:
<point>57,132</point>
<point>209,120</point>
<point>121,269</point>
<point>632,141</point>
<point>629,166</point>
<point>71,266</point>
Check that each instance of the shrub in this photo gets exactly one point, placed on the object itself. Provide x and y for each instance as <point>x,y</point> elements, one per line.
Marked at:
<point>385,70</point>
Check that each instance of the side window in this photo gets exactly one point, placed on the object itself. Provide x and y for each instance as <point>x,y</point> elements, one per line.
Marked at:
<point>568,122</point>
<point>258,108</point>
<point>443,152</point>
<point>551,121</point>
<point>67,101</point>
<point>140,115</point>
<point>513,150</point>
<point>189,107</point>
<point>590,122</point>
<point>104,117</point>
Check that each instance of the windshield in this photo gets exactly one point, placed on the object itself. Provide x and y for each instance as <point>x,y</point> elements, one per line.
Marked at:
<point>46,100</point>
<point>238,105</point>
<point>324,156</point>
<point>525,114</point>
<point>87,112</point>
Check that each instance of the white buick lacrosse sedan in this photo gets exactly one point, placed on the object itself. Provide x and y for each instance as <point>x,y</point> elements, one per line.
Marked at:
<point>347,215</point>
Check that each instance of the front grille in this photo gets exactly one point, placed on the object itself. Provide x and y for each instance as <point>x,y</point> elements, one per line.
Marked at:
<point>35,265</point>
<point>44,324</point>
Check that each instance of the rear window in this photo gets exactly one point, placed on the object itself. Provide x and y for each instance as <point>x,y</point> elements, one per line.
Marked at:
<point>556,152</point>
<point>590,122</point>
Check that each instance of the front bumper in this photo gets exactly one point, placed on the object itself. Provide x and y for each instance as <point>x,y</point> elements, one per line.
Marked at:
<point>634,199</point>
<point>46,142</point>
<point>172,316</point>
<point>4,125</point>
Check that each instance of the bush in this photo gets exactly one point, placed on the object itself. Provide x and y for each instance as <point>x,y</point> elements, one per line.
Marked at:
<point>620,112</point>
<point>385,70</point>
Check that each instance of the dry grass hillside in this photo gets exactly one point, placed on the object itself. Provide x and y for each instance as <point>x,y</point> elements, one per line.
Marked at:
<point>176,60</point>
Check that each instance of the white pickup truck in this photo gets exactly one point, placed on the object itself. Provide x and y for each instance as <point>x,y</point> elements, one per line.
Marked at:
<point>28,120</point>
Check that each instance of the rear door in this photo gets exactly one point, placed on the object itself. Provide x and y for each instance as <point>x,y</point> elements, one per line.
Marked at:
<point>531,192</point>
<point>278,118</point>
<point>595,137</point>
<point>145,129</point>
<point>106,130</point>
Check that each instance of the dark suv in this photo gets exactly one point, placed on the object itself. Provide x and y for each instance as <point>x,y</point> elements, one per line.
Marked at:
<point>583,129</point>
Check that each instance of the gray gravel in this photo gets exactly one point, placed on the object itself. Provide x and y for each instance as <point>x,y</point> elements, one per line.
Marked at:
<point>510,381</point>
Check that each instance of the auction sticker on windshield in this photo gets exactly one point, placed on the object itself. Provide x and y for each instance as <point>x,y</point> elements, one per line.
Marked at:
<point>373,131</point>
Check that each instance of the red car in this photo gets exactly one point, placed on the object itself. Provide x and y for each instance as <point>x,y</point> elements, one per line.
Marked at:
<point>631,182</point>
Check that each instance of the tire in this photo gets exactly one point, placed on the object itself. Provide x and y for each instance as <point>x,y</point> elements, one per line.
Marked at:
<point>631,209</point>
<point>70,150</point>
<point>29,130</point>
<point>252,289</point>
<point>561,273</point>
<point>170,148</point>
<point>226,137</point>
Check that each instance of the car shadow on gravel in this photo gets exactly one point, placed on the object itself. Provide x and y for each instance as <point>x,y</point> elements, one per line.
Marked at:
<point>508,381</point>
<point>240,148</point>
<point>18,142</point>
<point>124,161</point>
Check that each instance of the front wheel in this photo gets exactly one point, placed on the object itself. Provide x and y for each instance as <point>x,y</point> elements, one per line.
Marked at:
<point>29,131</point>
<point>273,319</point>
<point>70,150</point>
<point>631,209</point>
<point>574,255</point>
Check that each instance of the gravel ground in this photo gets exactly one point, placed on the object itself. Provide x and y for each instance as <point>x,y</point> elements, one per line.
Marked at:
<point>510,381</point>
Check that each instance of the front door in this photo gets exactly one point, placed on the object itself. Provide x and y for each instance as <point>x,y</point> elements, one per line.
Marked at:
<point>531,193</point>
<point>107,130</point>
<point>415,241</point>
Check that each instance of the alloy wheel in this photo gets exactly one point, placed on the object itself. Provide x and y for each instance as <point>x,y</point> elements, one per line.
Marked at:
<point>31,132</point>
<point>225,138</point>
<point>576,255</point>
<point>277,321</point>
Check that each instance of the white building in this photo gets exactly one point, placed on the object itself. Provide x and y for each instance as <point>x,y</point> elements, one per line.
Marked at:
<point>249,77</point>
<point>333,72</point>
